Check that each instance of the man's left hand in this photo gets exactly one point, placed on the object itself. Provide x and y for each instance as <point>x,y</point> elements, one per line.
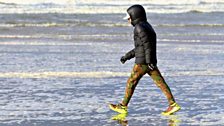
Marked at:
<point>151,66</point>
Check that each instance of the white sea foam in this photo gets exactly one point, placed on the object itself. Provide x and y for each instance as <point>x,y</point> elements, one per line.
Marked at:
<point>100,74</point>
<point>114,2</point>
<point>88,37</point>
<point>38,1</point>
<point>109,6</point>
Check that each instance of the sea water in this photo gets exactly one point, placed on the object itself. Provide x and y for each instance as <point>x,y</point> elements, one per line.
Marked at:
<point>60,62</point>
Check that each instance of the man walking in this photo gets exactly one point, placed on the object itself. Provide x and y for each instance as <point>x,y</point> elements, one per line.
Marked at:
<point>145,61</point>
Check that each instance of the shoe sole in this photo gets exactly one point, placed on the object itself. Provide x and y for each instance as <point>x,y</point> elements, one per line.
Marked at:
<point>120,116</point>
<point>171,112</point>
<point>117,110</point>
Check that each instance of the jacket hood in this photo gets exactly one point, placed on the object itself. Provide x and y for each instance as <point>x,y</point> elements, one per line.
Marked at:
<point>137,14</point>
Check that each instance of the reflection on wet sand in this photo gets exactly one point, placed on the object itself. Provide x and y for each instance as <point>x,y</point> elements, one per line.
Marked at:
<point>121,118</point>
<point>172,120</point>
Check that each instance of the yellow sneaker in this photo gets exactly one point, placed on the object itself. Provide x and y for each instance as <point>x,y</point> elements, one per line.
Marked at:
<point>120,116</point>
<point>171,109</point>
<point>119,108</point>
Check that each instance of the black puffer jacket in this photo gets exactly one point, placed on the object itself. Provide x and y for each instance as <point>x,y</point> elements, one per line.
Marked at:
<point>144,37</point>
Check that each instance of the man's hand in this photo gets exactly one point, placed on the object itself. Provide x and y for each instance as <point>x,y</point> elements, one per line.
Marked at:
<point>151,66</point>
<point>123,59</point>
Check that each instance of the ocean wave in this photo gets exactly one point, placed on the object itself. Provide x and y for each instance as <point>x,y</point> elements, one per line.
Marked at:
<point>115,2</point>
<point>190,25</point>
<point>99,24</point>
<point>31,2</point>
<point>191,41</point>
<point>101,10</point>
<point>34,25</point>
<point>70,24</point>
<point>100,74</point>
<point>94,36</point>
<point>192,34</point>
<point>110,6</point>
<point>37,43</point>
<point>53,36</point>
<point>3,3</point>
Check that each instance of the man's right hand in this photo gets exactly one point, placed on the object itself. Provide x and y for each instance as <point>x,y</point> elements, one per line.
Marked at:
<point>123,59</point>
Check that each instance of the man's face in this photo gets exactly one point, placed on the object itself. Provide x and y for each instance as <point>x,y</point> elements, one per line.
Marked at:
<point>129,20</point>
